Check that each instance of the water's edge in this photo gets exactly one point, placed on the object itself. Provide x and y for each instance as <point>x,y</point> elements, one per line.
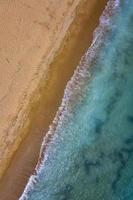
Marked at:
<point>74,87</point>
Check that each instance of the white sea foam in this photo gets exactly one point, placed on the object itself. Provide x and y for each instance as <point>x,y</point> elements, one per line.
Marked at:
<point>73,89</point>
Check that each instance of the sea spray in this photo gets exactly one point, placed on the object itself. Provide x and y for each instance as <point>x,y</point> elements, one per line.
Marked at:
<point>82,149</point>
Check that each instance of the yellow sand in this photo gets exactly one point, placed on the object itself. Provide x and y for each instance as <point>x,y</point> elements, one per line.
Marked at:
<point>30,33</point>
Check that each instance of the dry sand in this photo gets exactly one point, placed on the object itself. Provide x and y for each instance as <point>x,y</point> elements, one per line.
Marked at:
<point>30,33</point>
<point>31,88</point>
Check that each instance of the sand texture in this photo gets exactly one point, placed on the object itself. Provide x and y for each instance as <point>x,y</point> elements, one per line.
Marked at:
<point>30,34</point>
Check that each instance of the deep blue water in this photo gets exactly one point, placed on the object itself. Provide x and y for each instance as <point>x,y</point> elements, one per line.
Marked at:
<point>91,155</point>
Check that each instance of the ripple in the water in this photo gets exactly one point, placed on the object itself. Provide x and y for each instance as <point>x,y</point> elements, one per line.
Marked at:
<point>91,154</point>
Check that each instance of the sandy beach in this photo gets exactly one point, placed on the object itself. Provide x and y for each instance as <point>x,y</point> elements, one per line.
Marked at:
<point>41,45</point>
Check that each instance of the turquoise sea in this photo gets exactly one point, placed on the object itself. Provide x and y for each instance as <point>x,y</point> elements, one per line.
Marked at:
<point>88,151</point>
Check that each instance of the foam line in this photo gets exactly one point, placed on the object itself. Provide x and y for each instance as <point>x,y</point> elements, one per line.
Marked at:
<point>74,89</point>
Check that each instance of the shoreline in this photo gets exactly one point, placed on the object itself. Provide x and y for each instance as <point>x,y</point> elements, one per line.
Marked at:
<point>54,103</point>
<point>64,150</point>
<point>72,91</point>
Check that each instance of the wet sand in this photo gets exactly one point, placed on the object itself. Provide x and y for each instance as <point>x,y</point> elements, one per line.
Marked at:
<point>76,42</point>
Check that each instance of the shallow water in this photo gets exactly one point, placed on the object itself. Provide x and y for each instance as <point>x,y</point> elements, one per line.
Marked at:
<point>91,154</point>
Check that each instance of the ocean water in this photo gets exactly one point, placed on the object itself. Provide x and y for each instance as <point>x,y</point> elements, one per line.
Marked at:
<point>90,155</point>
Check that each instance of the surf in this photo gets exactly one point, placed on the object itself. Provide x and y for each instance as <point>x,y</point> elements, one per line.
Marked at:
<point>88,151</point>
